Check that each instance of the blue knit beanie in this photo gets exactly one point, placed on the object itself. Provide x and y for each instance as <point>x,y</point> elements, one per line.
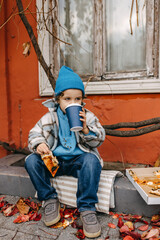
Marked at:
<point>67,79</point>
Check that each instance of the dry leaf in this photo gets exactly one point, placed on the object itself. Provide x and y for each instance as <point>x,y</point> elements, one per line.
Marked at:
<point>111,225</point>
<point>2,198</point>
<point>144,234</point>
<point>66,223</point>
<point>152,233</point>
<point>57,225</point>
<point>34,216</point>
<point>8,210</point>
<point>155,218</point>
<point>120,222</point>
<point>130,225</point>
<point>128,238</point>
<point>143,227</point>
<point>132,218</point>
<point>116,215</point>
<point>21,218</point>
<point>26,49</point>
<point>124,228</point>
<point>157,163</point>
<point>80,234</point>
<point>22,206</point>
<point>134,235</point>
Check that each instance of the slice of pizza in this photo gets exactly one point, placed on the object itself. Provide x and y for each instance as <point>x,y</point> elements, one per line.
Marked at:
<point>157,173</point>
<point>155,192</point>
<point>51,163</point>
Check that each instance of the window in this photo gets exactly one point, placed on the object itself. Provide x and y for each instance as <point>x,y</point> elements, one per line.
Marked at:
<point>77,19</point>
<point>99,45</point>
<point>125,43</point>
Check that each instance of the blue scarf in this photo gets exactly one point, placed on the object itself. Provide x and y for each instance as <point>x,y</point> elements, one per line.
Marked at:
<point>67,146</point>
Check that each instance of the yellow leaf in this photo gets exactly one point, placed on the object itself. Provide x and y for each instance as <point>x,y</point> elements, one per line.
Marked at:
<point>57,225</point>
<point>65,223</point>
<point>22,206</point>
<point>157,162</point>
<point>129,225</point>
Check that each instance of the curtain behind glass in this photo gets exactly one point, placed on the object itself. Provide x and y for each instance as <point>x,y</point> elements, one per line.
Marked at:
<point>77,19</point>
<point>125,52</point>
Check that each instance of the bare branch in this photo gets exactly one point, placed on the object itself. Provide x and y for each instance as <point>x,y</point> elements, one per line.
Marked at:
<point>137,13</point>
<point>130,19</point>
<point>47,29</point>
<point>7,146</point>
<point>154,126</point>
<point>1,4</point>
<point>110,131</point>
<point>134,124</point>
<point>14,14</point>
<point>132,133</point>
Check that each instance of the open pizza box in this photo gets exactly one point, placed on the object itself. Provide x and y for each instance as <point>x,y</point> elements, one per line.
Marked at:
<point>146,180</point>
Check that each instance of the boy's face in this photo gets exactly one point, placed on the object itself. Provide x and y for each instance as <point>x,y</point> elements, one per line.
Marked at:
<point>70,96</point>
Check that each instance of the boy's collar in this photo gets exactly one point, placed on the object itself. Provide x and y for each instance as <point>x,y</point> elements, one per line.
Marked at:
<point>50,103</point>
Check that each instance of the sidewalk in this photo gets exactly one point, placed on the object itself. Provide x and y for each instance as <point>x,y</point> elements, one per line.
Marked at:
<point>37,230</point>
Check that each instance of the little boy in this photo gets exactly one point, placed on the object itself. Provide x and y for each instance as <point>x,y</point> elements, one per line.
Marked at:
<point>76,153</point>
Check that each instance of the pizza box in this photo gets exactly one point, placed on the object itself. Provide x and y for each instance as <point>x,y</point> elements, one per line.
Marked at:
<point>143,189</point>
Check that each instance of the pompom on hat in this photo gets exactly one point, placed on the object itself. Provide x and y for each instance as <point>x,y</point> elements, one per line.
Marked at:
<point>67,79</point>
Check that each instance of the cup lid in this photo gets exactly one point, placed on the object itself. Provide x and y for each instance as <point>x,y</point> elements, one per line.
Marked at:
<point>74,104</point>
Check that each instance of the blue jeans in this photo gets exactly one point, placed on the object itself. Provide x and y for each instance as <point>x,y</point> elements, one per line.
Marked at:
<point>86,167</point>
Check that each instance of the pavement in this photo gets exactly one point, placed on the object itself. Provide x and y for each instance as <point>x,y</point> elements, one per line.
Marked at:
<point>15,183</point>
<point>36,230</point>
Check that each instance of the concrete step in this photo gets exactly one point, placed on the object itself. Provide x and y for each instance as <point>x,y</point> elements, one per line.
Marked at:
<point>14,180</point>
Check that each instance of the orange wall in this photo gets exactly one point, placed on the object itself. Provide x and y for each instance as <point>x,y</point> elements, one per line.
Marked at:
<point>128,108</point>
<point>20,104</point>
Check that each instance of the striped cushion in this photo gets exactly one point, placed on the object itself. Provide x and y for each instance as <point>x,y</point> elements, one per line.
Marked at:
<point>66,188</point>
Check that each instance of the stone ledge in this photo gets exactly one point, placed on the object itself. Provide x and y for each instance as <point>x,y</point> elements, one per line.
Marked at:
<point>14,180</point>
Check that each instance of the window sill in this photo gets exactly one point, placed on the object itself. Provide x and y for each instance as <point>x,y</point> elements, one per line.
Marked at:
<point>109,87</point>
<point>124,87</point>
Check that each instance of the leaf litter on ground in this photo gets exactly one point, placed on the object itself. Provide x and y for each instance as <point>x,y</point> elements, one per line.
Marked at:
<point>28,211</point>
<point>69,217</point>
<point>129,230</point>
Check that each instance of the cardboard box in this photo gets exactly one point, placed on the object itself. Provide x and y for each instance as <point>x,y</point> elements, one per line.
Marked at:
<point>143,189</point>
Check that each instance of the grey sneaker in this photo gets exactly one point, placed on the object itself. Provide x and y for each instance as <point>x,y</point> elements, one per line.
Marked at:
<point>51,212</point>
<point>91,226</point>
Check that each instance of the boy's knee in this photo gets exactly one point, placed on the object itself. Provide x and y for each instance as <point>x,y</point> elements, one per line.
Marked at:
<point>31,161</point>
<point>92,160</point>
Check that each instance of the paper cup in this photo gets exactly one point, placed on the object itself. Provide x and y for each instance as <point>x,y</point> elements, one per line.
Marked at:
<point>72,111</point>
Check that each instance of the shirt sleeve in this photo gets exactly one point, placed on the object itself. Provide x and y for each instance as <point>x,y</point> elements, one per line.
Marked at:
<point>96,135</point>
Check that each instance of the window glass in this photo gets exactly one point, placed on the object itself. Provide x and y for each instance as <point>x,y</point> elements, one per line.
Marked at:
<point>76,19</point>
<point>125,52</point>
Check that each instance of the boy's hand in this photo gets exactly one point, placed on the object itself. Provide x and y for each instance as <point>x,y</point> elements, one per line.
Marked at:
<point>43,149</point>
<point>85,129</point>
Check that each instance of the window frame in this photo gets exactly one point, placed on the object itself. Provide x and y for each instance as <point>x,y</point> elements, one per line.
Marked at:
<point>101,82</point>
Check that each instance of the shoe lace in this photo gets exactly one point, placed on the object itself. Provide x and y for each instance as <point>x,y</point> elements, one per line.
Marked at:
<point>90,218</point>
<point>49,208</point>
